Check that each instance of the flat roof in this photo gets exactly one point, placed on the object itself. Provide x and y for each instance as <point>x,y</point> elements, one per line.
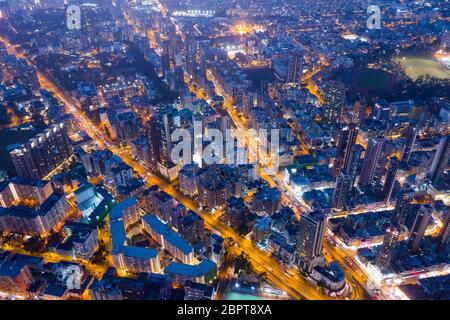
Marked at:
<point>119,236</point>
<point>140,252</point>
<point>171,236</point>
<point>189,270</point>
<point>117,211</point>
<point>29,182</point>
<point>21,211</point>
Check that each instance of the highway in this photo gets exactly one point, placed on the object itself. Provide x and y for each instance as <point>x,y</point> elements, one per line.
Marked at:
<point>290,281</point>
<point>296,287</point>
<point>356,279</point>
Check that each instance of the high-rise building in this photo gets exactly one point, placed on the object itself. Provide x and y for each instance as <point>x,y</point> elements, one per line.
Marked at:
<point>345,146</point>
<point>140,150</point>
<point>381,110</point>
<point>125,256</point>
<point>440,159</point>
<point>266,201</point>
<point>18,190</point>
<point>200,74</point>
<point>191,55</point>
<point>81,239</point>
<point>334,96</point>
<point>161,127</point>
<point>170,241</point>
<point>103,290</point>
<point>411,135</point>
<point>373,166</point>
<point>355,164</point>
<point>203,272</point>
<point>192,227</point>
<point>359,111</point>
<point>94,162</point>
<point>224,124</point>
<point>343,182</point>
<point>310,240</point>
<point>121,175</point>
<point>419,227</point>
<point>236,211</point>
<point>125,125</point>
<point>180,85</point>
<point>188,178</point>
<point>198,291</point>
<point>160,130</point>
<point>163,205</point>
<point>444,234</point>
<point>402,206</point>
<point>295,66</point>
<point>30,221</point>
<point>43,153</point>
<point>15,277</point>
<point>389,182</point>
<point>165,56</point>
<point>386,253</point>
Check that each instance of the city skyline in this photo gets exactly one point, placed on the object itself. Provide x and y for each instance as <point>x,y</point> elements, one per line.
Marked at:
<point>250,150</point>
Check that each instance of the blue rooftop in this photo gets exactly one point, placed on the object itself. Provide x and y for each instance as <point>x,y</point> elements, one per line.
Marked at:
<point>171,236</point>
<point>117,212</point>
<point>140,252</point>
<point>189,270</point>
<point>21,211</point>
<point>29,182</point>
<point>119,236</point>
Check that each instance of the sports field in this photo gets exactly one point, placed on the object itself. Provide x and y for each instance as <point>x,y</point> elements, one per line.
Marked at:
<point>415,67</point>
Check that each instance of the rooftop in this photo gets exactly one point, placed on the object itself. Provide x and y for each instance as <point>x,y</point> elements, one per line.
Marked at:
<point>171,236</point>
<point>189,270</point>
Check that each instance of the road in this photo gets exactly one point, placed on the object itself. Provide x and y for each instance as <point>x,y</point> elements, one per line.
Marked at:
<point>355,279</point>
<point>291,282</point>
<point>295,286</point>
<point>358,290</point>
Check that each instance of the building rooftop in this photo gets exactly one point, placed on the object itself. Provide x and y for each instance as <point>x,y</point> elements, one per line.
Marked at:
<point>79,232</point>
<point>171,236</point>
<point>11,270</point>
<point>332,271</point>
<point>140,252</point>
<point>21,211</point>
<point>189,270</point>
<point>29,182</point>
<point>119,236</point>
<point>163,196</point>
